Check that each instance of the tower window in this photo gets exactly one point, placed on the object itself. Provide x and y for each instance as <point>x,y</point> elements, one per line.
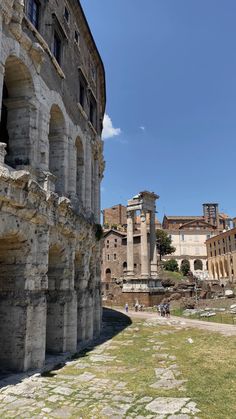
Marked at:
<point>67,14</point>
<point>57,47</point>
<point>33,12</point>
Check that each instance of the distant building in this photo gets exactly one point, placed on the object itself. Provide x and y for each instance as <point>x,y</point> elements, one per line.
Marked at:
<point>221,255</point>
<point>115,216</point>
<point>189,235</point>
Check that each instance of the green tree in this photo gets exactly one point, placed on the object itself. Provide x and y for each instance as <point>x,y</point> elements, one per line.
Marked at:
<point>164,242</point>
<point>185,267</point>
<point>171,265</point>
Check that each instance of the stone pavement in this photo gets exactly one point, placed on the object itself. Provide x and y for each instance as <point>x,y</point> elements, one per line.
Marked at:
<point>97,385</point>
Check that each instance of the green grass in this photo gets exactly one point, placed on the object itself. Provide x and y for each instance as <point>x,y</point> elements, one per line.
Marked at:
<point>221,317</point>
<point>208,365</point>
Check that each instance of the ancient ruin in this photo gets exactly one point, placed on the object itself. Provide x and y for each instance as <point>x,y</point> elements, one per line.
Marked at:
<point>52,85</point>
<point>144,285</point>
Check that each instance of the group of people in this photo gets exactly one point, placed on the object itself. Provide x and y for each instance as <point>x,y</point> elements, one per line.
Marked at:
<point>164,309</point>
<point>137,307</point>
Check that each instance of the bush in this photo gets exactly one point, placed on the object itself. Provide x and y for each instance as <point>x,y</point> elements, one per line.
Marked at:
<point>171,265</point>
<point>185,267</point>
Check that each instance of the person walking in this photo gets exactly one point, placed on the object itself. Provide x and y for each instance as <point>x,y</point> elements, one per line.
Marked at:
<point>126,307</point>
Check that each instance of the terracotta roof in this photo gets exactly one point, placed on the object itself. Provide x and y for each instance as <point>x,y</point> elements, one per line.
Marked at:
<point>184,217</point>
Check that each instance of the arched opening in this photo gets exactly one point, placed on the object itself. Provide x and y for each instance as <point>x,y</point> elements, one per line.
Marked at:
<point>198,265</point>
<point>226,268</point>
<point>221,269</point>
<point>108,275</point>
<point>185,266</point>
<point>79,169</point>
<point>18,114</point>
<point>13,266</point>
<point>57,148</point>
<point>56,313</point>
<point>124,268</point>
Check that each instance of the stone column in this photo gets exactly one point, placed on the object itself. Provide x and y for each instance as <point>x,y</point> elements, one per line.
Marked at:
<point>2,153</point>
<point>96,191</point>
<point>130,244</point>
<point>88,176</point>
<point>153,247</point>
<point>2,71</point>
<point>72,168</point>
<point>145,264</point>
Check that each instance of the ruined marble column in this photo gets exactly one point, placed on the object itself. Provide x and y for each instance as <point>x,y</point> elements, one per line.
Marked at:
<point>145,265</point>
<point>130,245</point>
<point>153,248</point>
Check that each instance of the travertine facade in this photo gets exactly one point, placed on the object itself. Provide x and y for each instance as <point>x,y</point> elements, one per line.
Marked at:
<point>52,86</point>
<point>221,256</point>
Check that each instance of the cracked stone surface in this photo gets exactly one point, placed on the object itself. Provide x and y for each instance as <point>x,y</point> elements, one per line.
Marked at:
<point>95,386</point>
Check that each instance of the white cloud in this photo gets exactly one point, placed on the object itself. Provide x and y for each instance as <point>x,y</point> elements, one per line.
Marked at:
<point>108,130</point>
<point>142,128</point>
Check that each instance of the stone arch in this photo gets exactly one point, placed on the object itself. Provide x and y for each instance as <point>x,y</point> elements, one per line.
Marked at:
<point>198,265</point>
<point>80,169</point>
<point>226,268</point>
<point>58,148</point>
<point>108,274</point>
<point>18,115</point>
<point>13,276</point>
<point>221,269</point>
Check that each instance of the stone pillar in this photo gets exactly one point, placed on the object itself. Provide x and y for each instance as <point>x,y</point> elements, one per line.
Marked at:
<point>88,176</point>
<point>2,153</point>
<point>191,261</point>
<point>96,192</point>
<point>153,247</point>
<point>130,244</point>
<point>145,265</point>
<point>2,71</point>
<point>72,169</point>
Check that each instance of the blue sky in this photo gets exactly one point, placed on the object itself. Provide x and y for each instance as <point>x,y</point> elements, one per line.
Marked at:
<point>171,95</point>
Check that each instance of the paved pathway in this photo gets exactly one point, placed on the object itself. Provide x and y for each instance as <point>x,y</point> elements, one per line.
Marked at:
<point>94,385</point>
<point>224,329</point>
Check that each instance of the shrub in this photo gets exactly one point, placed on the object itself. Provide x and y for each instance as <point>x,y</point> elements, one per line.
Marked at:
<point>171,265</point>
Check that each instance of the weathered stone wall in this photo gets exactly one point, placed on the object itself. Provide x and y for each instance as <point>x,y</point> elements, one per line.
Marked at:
<point>51,165</point>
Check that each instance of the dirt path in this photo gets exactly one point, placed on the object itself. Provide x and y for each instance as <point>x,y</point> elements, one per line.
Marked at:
<point>224,329</point>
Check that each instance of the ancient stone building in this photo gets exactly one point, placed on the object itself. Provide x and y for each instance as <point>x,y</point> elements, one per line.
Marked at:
<point>221,255</point>
<point>52,86</point>
<point>129,262</point>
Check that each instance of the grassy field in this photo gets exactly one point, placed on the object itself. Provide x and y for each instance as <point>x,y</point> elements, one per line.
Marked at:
<point>208,365</point>
<point>221,317</point>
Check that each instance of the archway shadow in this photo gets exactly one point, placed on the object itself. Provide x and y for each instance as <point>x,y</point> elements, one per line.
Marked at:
<point>113,323</point>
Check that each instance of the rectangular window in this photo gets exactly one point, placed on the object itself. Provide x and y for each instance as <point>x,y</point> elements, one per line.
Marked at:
<point>67,14</point>
<point>77,37</point>
<point>33,12</point>
<point>57,47</point>
<point>91,112</point>
<point>108,257</point>
<point>81,94</point>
